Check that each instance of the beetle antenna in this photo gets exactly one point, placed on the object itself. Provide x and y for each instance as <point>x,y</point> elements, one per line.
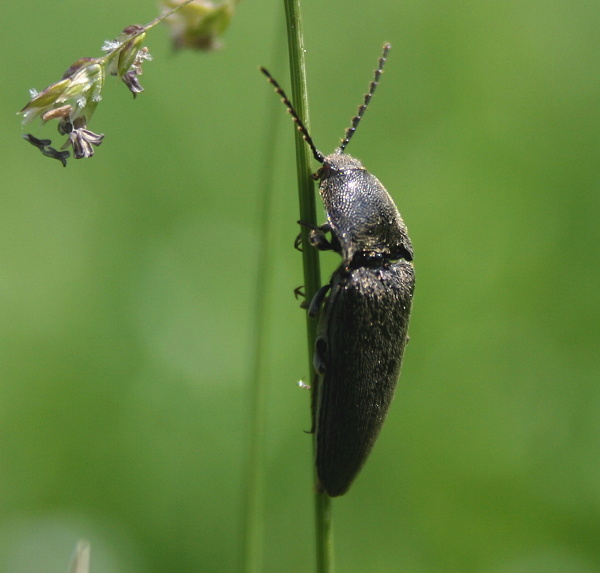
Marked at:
<point>300,126</point>
<point>362,108</point>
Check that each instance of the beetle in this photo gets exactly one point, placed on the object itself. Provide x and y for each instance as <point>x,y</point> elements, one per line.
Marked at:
<point>363,311</point>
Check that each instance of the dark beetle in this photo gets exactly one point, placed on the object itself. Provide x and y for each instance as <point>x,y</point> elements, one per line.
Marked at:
<point>363,321</point>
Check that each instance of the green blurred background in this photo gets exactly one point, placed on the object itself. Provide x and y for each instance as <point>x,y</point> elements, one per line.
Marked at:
<point>128,281</point>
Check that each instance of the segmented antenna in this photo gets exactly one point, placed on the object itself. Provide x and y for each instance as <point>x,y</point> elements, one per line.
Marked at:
<point>361,110</point>
<point>300,126</point>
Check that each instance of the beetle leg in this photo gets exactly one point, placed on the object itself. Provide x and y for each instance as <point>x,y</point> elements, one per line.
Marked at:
<point>298,242</point>
<point>299,293</point>
<point>317,301</point>
<point>313,403</point>
<point>317,237</point>
<point>319,357</point>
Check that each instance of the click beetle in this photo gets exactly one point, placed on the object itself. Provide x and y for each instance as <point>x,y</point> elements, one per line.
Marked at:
<point>363,311</point>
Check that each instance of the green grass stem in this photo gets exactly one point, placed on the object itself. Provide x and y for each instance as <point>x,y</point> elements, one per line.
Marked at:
<point>310,258</point>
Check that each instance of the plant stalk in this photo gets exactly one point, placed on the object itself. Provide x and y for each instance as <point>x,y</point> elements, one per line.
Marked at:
<point>310,258</point>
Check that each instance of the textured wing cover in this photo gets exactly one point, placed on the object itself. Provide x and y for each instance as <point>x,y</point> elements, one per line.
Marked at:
<point>362,335</point>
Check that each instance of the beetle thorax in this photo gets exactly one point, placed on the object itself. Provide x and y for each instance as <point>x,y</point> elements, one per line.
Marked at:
<point>360,212</point>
